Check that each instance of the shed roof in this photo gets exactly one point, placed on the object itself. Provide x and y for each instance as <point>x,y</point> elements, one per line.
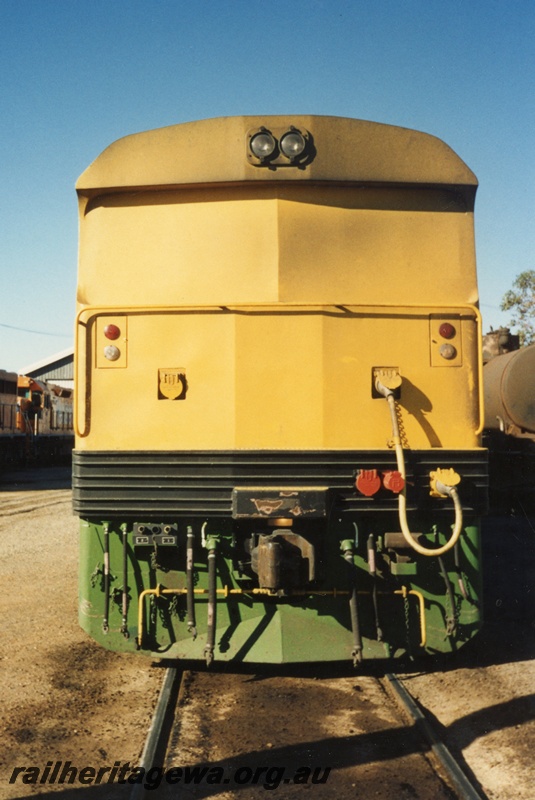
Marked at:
<point>58,366</point>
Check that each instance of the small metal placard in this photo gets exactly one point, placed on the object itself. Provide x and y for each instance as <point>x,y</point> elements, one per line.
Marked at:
<point>290,503</point>
<point>172,383</point>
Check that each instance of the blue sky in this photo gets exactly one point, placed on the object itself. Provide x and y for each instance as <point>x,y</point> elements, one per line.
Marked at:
<point>77,75</point>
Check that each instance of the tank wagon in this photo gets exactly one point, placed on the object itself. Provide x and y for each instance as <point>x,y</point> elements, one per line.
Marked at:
<point>509,386</point>
<point>279,398</point>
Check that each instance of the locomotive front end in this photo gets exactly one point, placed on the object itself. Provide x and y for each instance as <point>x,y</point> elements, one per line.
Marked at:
<point>278,417</point>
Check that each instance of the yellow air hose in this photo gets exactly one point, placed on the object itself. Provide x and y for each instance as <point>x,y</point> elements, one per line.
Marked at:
<point>441,489</point>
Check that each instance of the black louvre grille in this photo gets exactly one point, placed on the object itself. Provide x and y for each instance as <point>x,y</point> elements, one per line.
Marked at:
<point>200,484</point>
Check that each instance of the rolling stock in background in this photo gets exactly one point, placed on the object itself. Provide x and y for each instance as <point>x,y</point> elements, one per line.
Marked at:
<point>36,421</point>
<point>509,385</point>
<point>279,395</point>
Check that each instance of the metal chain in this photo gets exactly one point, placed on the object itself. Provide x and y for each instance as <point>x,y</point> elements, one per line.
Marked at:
<point>153,610</point>
<point>402,431</point>
<point>451,623</point>
<point>173,605</point>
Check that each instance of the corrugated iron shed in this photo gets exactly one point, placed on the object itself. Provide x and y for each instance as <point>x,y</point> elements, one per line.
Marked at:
<point>58,369</point>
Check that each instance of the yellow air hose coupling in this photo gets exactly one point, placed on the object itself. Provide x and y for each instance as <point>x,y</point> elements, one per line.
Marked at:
<point>443,481</point>
<point>442,484</point>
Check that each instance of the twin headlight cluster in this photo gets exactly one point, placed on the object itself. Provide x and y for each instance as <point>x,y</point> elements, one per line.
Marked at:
<point>284,147</point>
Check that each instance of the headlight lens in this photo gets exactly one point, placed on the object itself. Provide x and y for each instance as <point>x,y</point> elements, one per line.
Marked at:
<point>263,145</point>
<point>292,144</point>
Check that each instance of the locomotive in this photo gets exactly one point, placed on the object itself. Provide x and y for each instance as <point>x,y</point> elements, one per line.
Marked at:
<point>279,396</point>
<point>36,421</point>
<point>11,443</point>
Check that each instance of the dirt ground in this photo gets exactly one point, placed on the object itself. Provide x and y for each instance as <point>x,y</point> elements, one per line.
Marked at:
<point>66,699</point>
<point>63,697</point>
<point>338,737</point>
<point>483,704</point>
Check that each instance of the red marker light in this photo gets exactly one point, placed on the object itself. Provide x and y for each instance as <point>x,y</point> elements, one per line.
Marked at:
<point>447,331</point>
<point>112,332</point>
<point>368,482</point>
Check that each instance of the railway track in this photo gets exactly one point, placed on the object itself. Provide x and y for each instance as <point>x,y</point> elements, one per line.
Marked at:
<point>229,736</point>
<point>27,502</point>
<point>456,776</point>
<point>33,490</point>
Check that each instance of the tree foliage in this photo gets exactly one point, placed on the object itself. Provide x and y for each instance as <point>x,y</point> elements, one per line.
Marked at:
<point>521,301</point>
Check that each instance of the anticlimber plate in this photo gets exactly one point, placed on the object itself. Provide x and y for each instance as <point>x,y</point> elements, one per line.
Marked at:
<point>288,503</point>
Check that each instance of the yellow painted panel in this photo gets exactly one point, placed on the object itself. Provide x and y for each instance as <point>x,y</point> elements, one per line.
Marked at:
<point>126,411</point>
<point>355,255</point>
<point>279,375</point>
<point>179,252</point>
<point>293,379</point>
<point>290,244</point>
<point>436,409</point>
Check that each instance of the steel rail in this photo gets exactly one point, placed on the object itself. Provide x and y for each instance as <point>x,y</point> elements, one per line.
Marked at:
<point>155,737</point>
<point>460,782</point>
<point>153,742</point>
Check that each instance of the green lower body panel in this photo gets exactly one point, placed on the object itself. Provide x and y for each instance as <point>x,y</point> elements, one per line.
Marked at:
<point>133,596</point>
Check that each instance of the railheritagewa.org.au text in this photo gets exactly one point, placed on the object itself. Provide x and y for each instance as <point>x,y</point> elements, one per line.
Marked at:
<point>269,777</point>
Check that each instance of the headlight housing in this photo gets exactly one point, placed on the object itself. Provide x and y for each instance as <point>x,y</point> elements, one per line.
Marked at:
<point>279,147</point>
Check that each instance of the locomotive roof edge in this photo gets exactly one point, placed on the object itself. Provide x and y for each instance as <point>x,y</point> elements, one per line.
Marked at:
<point>214,151</point>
